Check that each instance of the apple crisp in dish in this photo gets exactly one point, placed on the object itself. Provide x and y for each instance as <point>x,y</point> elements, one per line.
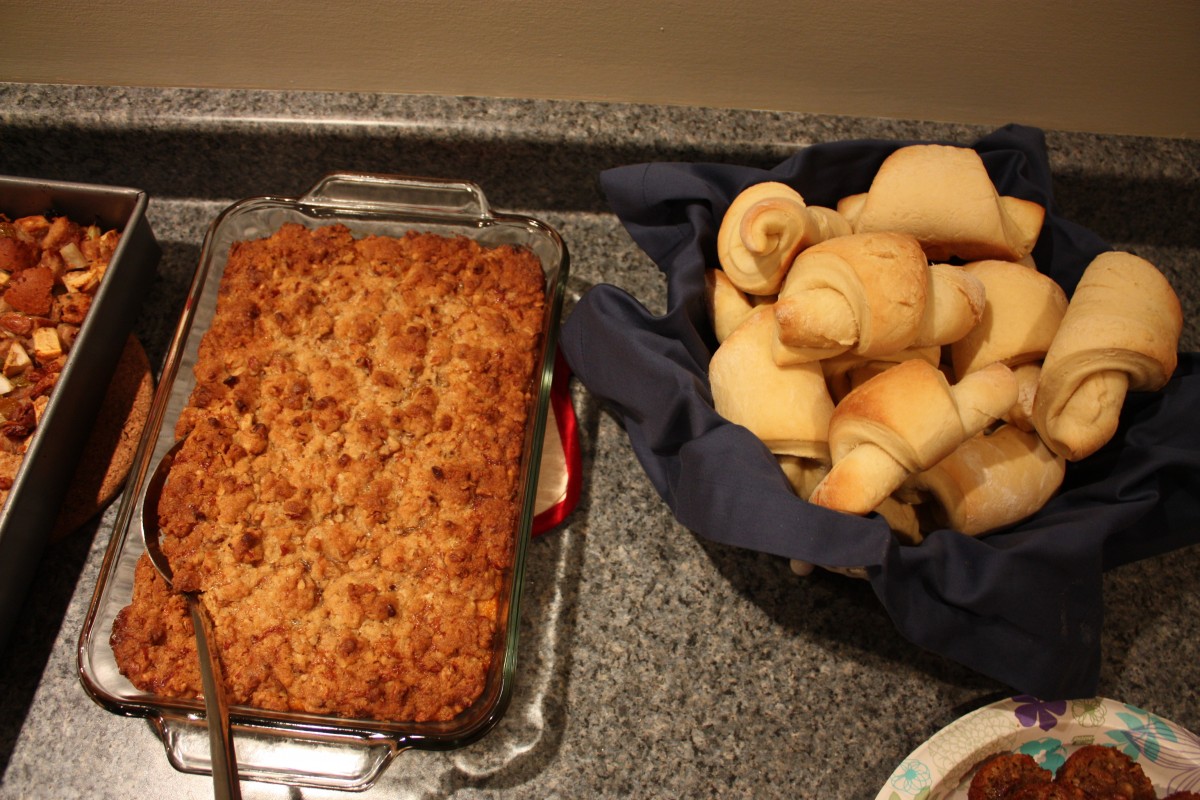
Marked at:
<point>347,493</point>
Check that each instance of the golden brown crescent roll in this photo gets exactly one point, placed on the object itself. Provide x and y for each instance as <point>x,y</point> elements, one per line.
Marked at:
<point>903,421</point>
<point>943,196</point>
<point>1021,314</point>
<point>788,408</point>
<point>851,206</point>
<point>728,306</point>
<point>954,305</point>
<point>847,371</point>
<point>803,474</point>
<point>991,480</point>
<point>1120,333</point>
<point>1021,414</point>
<point>902,518</point>
<point>829,223</point>
<point>863,293</point>
<point>764,228</point>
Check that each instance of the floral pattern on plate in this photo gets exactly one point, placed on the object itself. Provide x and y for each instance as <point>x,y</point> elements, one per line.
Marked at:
<point>1048,731</point>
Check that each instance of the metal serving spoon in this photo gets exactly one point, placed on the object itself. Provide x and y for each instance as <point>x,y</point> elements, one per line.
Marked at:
<point>220,736</point>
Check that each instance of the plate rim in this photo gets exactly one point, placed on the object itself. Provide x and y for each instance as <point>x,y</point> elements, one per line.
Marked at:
<point>1008,723</point>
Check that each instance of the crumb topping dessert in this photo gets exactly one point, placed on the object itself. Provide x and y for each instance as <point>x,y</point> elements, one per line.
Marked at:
<point>345,499</point>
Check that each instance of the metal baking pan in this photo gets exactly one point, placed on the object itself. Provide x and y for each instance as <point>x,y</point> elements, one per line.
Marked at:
<point>41,482</point>
<point>304,749</point>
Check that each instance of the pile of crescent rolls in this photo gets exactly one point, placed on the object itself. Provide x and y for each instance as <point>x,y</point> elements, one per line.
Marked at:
<point>901,354</point>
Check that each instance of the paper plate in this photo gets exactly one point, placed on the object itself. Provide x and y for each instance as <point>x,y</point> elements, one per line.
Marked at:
<point>942,767</point>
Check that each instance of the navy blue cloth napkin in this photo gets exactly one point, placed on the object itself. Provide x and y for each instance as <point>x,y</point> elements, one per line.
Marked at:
<point>1022,606</point>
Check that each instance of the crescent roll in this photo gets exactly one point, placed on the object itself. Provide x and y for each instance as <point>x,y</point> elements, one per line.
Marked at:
<point>1021,314</point>
<point>803,474</point>
<point>764,228</point>
<point>943,196</point>
<point>788,408</point>
<point>1120,333</point>
<point>1028,376</point>
<point>728,306</point>
<point>901,518</point>
<point>953,307</point>
<point>847,371</point>
<point>991,481</point>
<point>901,422</point>
<point>863,293</point>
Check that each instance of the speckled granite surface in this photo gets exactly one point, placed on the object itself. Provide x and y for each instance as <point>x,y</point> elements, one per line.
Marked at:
<point>653,663</point>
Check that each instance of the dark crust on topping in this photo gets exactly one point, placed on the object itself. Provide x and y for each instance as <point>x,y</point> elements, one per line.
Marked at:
<point>1000,774</point>
<point>1092,772</point>
<point>1105,772</point>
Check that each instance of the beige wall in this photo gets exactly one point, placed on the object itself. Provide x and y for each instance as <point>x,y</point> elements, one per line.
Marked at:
<point>1105,66</point>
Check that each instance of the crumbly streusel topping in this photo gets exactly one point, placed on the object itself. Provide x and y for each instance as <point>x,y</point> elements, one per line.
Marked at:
<point>346,497</point>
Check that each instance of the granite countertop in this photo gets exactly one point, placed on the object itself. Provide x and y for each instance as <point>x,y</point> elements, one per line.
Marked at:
<point>652,663</point>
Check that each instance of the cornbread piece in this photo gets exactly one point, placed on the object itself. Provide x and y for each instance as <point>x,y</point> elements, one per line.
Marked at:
<point>1000,775</point>
<point>1100,771</point>
<point>346,497</point>
<point>50,269</point>
<point>1048,791</point>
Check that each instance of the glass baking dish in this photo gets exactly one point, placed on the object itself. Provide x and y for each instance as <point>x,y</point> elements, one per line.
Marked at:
<point>303,749</point>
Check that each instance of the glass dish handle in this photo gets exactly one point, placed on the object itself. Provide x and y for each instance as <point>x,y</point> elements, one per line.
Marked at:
<point>346,764</point>
<point>365,190</point>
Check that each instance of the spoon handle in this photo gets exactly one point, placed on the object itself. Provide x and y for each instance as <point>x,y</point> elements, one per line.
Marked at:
<point>224,760</point>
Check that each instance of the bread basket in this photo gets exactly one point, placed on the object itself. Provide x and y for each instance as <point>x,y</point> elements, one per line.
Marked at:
<point>1023,605</point>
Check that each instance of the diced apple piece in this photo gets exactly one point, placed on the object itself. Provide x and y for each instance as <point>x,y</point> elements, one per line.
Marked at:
<point>46,344</point>
<point>17,360</point>
<point>84,280</point>
<point>39,407</point>
<point>71,254</point>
